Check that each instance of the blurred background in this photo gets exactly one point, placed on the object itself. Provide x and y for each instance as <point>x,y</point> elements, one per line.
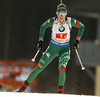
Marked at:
<point>20,22</point>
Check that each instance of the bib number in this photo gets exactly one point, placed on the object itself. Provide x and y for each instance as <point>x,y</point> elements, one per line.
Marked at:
<point>61,35</point>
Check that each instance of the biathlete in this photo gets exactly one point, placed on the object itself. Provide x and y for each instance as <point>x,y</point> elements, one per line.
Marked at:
<point>59,45</point>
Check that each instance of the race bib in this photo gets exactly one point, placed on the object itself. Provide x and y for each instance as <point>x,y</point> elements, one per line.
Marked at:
<point>61,35</point>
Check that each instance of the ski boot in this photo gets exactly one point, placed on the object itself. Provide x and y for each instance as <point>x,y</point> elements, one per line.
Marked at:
<point>61,89</point>
<point>23,87</point>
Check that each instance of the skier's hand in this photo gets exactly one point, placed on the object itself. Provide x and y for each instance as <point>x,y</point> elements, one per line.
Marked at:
<point>76,45</point>
<point>40,45</point>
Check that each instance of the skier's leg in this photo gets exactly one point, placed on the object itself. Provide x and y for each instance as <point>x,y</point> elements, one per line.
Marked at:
<point>63,60</point>
<point>48,56</point>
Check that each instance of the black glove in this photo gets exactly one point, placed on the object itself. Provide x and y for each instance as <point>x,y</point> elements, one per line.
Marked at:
<point>76,45</point>
<point>40,45</point>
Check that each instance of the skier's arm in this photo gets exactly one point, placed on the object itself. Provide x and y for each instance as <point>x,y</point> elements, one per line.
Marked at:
<point>80,26</point>
<point>43,27</point>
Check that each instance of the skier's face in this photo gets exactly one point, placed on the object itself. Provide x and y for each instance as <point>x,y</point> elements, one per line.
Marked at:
<point>61,16</point>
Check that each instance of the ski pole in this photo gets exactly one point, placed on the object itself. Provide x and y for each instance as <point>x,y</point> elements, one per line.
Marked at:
<point>82,67</point>
<point>33,59</point>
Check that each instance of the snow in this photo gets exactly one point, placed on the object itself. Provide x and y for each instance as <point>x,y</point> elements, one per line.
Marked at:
<point>12,94</point>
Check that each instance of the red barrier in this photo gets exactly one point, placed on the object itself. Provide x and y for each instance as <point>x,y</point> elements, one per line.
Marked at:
<point>9,70</point>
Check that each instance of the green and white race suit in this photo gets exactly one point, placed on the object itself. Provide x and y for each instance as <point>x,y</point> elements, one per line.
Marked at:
<point>59,45</point>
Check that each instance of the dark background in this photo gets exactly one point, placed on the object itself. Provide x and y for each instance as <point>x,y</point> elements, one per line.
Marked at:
<point>20,22</point>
